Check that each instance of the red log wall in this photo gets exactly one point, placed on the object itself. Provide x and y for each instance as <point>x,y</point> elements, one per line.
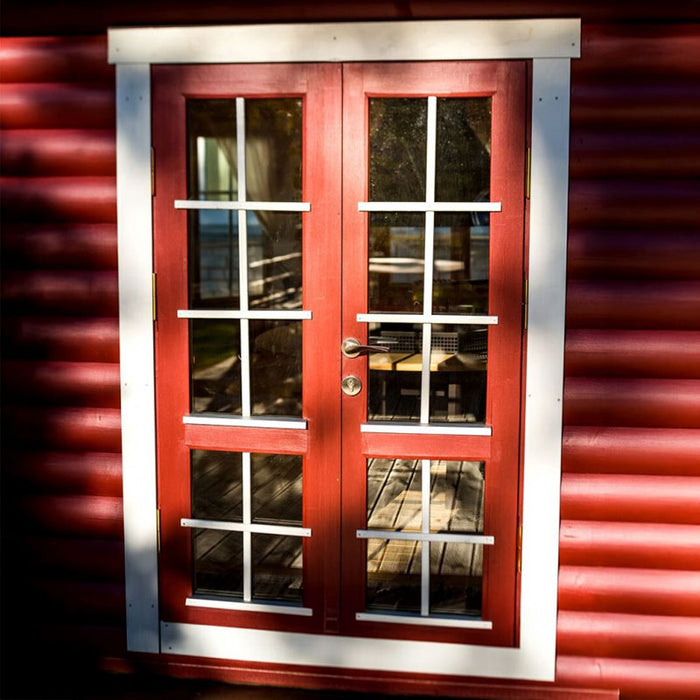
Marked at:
<point>629,587</point>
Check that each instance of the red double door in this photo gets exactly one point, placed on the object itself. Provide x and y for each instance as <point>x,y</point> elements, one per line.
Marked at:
<point>297,207</point>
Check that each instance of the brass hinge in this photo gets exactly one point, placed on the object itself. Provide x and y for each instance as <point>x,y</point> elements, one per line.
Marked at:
<point>158,528</point>
<point>154,306</point>
<point>520,547</point>
<point>153,171</point>
<point>528,172</point>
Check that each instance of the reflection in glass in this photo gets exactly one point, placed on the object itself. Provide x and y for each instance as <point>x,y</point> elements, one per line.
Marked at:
<point>274,260</point>
<point>395,376</point>
<point>216,485</point>
<point>215,366</point>
<point>393,576</point>
<point>273,148</point>
<point>396,262</point>
<point>277,489</point>
<point>277,568</point>
<point>212,157</point>
<point>458,366</point>
<point>457,496</point>
<point>275,380</point>
<point>394,494</point>
<point>213,259</point>
<point>463,149</point>
<point>461,271</point>
<point>218,562</point>
<point>397,149</point>
<point>456,578</point>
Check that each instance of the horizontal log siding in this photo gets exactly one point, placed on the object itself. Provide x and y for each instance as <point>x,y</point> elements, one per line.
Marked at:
<point>63,570</point>
<point>629,583</point>
<point>630,535</point>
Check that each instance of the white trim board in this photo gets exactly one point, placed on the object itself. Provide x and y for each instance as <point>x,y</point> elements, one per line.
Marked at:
<point>435,40</point>
<point>551,44</point>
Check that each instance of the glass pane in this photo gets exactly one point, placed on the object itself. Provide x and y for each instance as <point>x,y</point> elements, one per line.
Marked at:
<point>276,481</point>
<point>458,366</point>
<point>393,576</point>
<point>211,138</point>
<point>395,376</point>
<point>275,380</point>
<point>277,568</point>
<point>463,157</point>
<point>397,148</point>
<point>457,496</point>
<point>216,485</point>
<point>456,578</point>
<point>218,562</point>
<point>273,150</point>
<point>215,366</point>
<point>213,259</point>
<point>394,494</point>
<point>274,260</point>
<point>396,262</point>
<point>461,271</point>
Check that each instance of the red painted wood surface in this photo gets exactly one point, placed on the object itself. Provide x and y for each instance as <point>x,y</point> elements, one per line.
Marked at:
<point>633,301</point>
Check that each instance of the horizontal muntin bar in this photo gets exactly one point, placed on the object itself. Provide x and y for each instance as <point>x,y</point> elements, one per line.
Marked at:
<point>426,429</point>
<point>226,604</point>
<point>241,206</point>
<point>256,528</point>
<point>240,422</point>
<point>424,536</point>
<point>425,620</point>
<point>265,315</point>
<point>429,206</point>
<point>428,318</point>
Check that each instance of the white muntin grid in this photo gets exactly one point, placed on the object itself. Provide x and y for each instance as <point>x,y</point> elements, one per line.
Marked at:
<point>247,528</point>
<point>244,315</point>
<point>427,318</point>
<point>426,538</point>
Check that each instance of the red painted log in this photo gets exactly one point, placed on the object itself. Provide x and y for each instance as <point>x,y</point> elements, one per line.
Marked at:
<point>628,636</point>
<point>74,199</point>
<point>56,245</point>
<point>627,497</point>
<point>62,383</point>
<point>89,429</point>
<point>640,591</point>
<point>597,153</point>
<point>638,254</point>
<point>90,473</point>
<point>662,354</point>
<point>52,59</point>
<point>638,679</point>
<point>665,104</point>
<point>631,450</point>
<point>637,51</point>
<point>653,403</point>
<point>642,305</point>
<point>76,339</point>
<point>75,601</point>
<point>72,293</point>
<point>84,516</point>
<point>56,106</point>
<point>58,152</point>
<point>634,203</point>
<point>640,545</point>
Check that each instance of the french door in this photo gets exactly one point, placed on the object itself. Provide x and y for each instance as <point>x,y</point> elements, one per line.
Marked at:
<point>339,340</point>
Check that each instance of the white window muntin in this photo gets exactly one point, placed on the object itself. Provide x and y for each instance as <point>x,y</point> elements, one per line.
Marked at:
<point>550,43</point>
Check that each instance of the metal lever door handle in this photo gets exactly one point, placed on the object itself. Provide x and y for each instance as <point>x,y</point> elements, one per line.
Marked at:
<point>351,347</point>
